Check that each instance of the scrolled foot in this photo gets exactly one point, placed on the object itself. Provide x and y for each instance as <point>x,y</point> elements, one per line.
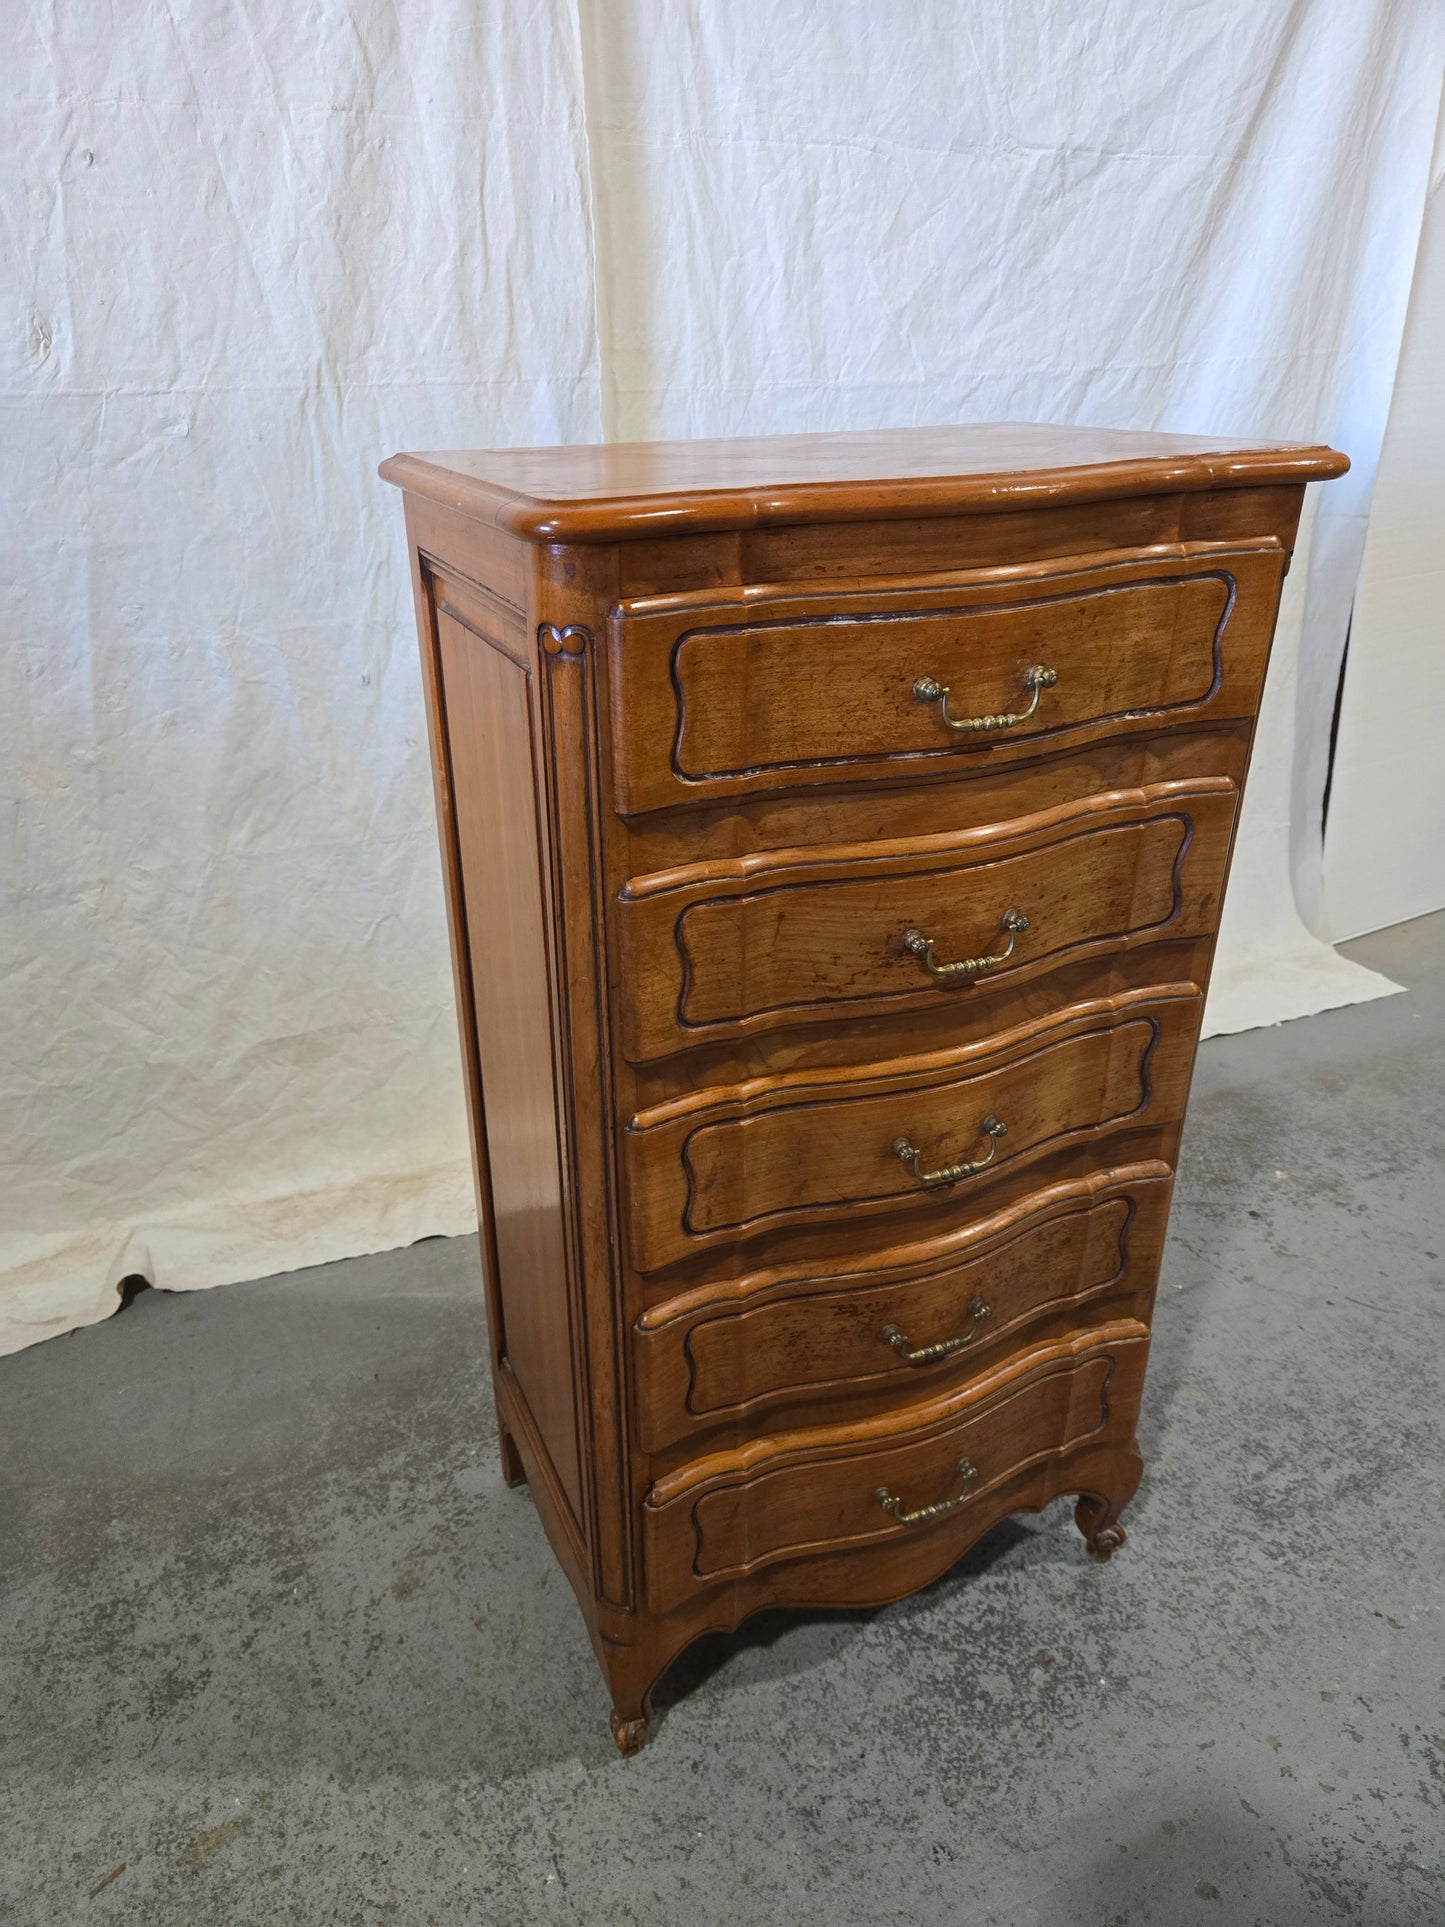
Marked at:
<point>629,1735</point>
<point>1097,1517</point>
<point>1103,1545</point>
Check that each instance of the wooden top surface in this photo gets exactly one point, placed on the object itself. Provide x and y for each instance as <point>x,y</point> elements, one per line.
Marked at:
<point>609,490</point>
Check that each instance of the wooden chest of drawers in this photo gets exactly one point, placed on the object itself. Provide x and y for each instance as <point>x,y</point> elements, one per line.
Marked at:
<point>835,829</point>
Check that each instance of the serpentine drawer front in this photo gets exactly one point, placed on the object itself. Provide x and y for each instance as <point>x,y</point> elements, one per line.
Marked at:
<point>812,934</point>
<point>843,1147</point>
<point>716,695</point>
<point>834,830</point>
<point>740,1354</point>
<point>731,1515</point>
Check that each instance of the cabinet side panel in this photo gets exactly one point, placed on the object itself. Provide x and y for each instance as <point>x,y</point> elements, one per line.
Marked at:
<point>488,698</point>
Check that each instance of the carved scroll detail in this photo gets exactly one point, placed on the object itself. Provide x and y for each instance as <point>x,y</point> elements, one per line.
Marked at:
<point>571,641</point>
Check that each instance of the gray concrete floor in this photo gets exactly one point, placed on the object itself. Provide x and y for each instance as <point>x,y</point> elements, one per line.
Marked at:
<point>277,1640</point>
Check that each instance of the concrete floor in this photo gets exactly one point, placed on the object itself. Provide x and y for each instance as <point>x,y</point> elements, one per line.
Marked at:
<point>276,1639</point>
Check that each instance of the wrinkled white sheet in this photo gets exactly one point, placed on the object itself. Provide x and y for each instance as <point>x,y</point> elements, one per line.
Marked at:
<point>252,248</point>
<point>1384,856</point>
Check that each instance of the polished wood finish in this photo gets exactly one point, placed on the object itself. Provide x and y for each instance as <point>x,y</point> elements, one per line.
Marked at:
<point>489,742</point>
<point>699,831</point>
<point>717,696</point>
<point>728,1515</point>
<point>787,1338</point>
<point>812,934</point>
<point>809,1148</point>
<point>630,489</point>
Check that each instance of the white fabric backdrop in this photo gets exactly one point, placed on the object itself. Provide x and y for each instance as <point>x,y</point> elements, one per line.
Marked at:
<point>252,248</point>
<point>1385,845</point>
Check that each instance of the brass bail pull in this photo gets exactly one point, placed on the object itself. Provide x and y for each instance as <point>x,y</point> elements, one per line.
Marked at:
<point>1013,922</point>
<point>1036,678</point>
<point>978,1311</point>
<point>891,1503</point>
<point>992,1128</point>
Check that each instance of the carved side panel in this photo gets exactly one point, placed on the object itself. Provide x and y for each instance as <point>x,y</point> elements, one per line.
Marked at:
<point>487,696</point>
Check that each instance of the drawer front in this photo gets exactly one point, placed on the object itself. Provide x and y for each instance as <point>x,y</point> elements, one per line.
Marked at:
<point>803,935</point>
<point>726,693</point>
<point>832,1146</point>
<point>941,1472</point>
<point>921,1315</point>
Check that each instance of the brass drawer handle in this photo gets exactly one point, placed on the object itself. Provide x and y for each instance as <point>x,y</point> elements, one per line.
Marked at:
<point>890,1502</point>
<point>946,1347</point>
<point>1036,678</point>
<point>1013,921</point>
<point>992,1128</point>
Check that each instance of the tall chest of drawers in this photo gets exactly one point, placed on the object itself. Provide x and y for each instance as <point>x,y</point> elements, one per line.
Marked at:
<point>834,830</point>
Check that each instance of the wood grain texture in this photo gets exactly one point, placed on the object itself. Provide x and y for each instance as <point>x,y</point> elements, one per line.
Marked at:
<point>773,1342</point>
<point>489,724</point>
<point>860,554</point>
<point>689,805</point>
<point>737,1163</point>
<point>729,1515</point>
<point>840,687</point>
<point>812,934</point>
<point>619,490</point>
<point>729,693</point>
<point>425,600</point>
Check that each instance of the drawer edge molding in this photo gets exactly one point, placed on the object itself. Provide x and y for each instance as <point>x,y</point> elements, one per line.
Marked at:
<point>830,1443</point>
<point>965,1489</point>
<point>807,1149</point>
<point>798,863</point>
<point>1139,643</point>
<point>838,932</point>
<point>957,1168</point>
<point>1075,1254</point>
<point>736,599</point>
<point>766,1285</point>
<point>780,1090</point>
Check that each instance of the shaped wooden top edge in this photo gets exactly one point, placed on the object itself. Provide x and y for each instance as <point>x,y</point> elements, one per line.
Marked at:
<point>606,492</point>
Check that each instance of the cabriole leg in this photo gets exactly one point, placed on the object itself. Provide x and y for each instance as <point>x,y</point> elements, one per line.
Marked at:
<point>1097,1513</point>
<point>630,1672</point>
